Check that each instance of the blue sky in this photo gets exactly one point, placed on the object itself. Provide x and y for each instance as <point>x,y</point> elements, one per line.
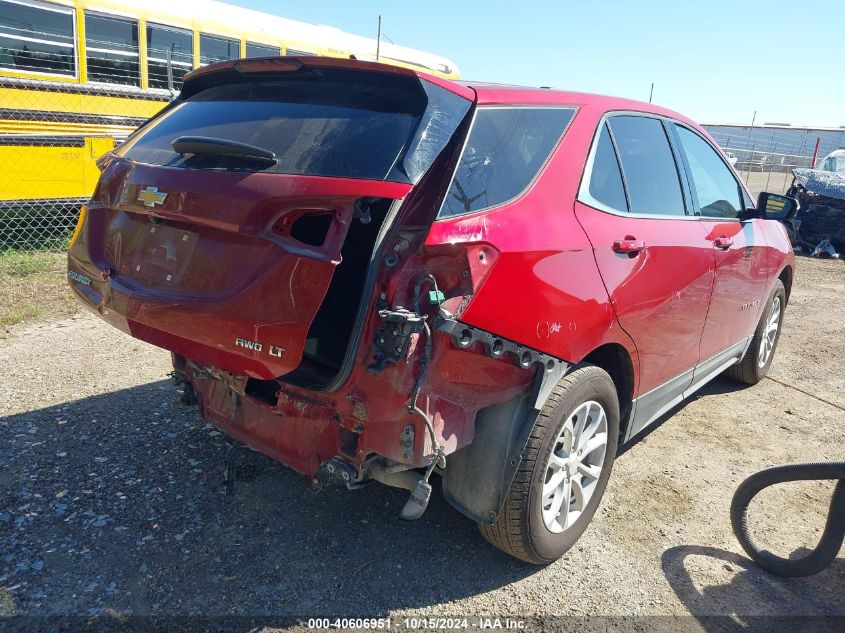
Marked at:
<point>716,61</point>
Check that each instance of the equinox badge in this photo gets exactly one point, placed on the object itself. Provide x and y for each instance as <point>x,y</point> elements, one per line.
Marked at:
<point>151,196</point>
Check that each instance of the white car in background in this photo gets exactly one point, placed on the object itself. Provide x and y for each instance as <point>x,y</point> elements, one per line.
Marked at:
<point>835,161</point>
<point>731,158</point>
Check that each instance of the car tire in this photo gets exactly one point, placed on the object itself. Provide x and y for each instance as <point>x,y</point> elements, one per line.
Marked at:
<point>525,528</point>
<point>753,367</point>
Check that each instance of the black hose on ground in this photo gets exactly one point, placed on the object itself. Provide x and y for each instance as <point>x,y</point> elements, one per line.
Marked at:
<point>834,532</point>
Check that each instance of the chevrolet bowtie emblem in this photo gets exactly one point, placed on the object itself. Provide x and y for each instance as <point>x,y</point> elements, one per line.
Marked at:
<point>151,196</point>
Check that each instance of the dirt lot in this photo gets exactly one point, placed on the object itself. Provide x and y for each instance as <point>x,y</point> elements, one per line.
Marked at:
<point>774,182</point>
<point>112,500</point>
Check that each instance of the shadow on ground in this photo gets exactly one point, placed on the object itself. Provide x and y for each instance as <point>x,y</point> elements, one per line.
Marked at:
<point>715,387</point>
<point>116,502</point>
<point>750,586</point>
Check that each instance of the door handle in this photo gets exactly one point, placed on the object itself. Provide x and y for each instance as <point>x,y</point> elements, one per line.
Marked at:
<point>629,246</point>
<point>723,242</point>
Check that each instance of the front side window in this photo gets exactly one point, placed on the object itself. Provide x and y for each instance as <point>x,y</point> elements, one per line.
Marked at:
<point>261,50</point>
<point>605,178</point>
<point>714,189</point>
<point>111,49</point>
<point>651,175</point>
<point>169,53</point>
<point>505,150</point>
<point>38,38</point>
<point>218,49</point>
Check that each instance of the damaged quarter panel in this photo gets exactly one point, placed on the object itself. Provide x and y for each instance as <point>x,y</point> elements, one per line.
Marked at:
<point>543,290</point>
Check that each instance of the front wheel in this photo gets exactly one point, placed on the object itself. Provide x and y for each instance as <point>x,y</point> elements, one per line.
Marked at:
<point>758,358</point>
<point>564,469</point>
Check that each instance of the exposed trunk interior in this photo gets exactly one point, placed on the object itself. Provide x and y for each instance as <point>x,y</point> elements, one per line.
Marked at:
<point>331,331</point>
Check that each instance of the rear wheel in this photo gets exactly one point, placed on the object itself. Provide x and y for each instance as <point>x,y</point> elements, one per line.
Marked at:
<point>758,359</point>
<point>564,469</point>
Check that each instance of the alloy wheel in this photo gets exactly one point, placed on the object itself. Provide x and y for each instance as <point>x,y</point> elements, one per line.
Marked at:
<point>574,466</point>
<point>770,334</point>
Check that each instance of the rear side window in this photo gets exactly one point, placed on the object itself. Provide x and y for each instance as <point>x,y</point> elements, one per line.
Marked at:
<point>326,122</point>
<point>37,37</point>
<point>606,179</point>
<point>648,166</point>
<point>714,188</point>
<point>168,47</point>
<point>505,150</point>
<point>111,49</point>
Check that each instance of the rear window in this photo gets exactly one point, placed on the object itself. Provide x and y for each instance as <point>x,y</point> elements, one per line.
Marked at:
<point>648,166</point>
<point>328,123</point>
<point>505,150</point>
<point>606,179</point>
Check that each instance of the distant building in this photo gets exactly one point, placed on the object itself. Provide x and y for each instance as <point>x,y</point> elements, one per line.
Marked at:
<point>784,141</point>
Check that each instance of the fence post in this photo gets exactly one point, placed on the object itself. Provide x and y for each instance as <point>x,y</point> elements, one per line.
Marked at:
<point>169,72</point>
<point>815,153</point>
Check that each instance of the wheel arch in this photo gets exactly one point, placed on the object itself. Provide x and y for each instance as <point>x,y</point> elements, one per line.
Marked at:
<point>617,362</point>
<point>785,277</point>
<point>478,476</point>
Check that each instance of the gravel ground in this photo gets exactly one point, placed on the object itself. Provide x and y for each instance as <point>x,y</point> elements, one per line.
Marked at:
<point>112,500</point>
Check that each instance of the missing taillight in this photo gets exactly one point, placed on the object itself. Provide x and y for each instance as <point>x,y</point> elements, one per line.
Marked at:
<point>266,391</point>
<point>312,229</point>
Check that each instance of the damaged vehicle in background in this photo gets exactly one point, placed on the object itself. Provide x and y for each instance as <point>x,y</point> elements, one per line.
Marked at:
<point>374,274</point>
<point>819,227</point>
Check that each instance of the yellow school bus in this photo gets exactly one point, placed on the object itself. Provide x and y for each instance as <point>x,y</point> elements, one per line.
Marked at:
<point>77,76</point>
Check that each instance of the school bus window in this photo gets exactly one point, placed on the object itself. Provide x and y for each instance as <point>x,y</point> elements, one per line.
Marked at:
<point>218,49</point>
<point>164,42</point>
<point>293,52</point>
<point>111,49</point>
<point>37,38</point>
<point>261,50</point>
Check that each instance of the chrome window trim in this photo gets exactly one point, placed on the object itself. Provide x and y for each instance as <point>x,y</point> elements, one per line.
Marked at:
<point>55,8</point>
<point>536,176</point>
<point>586,198</point>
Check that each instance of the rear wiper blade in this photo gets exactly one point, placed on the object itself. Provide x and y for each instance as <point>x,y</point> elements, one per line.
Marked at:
<point>209,146</point>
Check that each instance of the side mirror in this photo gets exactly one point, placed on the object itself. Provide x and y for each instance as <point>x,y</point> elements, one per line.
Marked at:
<point>773,206</point>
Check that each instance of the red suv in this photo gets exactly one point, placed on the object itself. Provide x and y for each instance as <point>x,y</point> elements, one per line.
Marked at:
<point>369,273</point>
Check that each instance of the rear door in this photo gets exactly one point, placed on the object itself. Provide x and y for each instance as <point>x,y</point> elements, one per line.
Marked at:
<point>654,258</point>
<point>739,248</point>
<point>221,246</point>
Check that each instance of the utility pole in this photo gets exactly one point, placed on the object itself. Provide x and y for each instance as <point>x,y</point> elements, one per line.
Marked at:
<point>651,92</point>
<point>378,39</point>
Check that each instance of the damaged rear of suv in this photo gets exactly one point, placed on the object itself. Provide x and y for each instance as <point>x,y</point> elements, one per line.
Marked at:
<point>267,228</point>
<point>373,274</point>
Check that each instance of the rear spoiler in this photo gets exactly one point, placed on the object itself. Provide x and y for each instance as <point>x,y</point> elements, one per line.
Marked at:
<point>237,69</point>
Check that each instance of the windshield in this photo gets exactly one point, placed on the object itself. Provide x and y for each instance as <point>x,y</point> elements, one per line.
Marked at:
<point>834,163</point>
<point>340,124</point>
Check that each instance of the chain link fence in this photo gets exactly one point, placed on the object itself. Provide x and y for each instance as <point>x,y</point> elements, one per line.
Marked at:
<point>51,135</point>
<point>765,156</point>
